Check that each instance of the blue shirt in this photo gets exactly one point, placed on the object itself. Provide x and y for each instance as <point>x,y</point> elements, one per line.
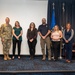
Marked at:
<point>43,29</point>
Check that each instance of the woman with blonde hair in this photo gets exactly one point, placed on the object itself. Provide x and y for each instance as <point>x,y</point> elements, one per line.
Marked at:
<point>56,35</point>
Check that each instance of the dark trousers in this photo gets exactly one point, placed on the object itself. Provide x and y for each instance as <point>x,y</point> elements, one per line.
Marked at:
<point>18,42</point>
<point>32,46</point>
<point>68,48</point>
<point>55,49</point>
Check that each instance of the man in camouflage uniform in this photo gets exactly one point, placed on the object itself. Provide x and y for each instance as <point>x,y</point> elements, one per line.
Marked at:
<point>6,36</point>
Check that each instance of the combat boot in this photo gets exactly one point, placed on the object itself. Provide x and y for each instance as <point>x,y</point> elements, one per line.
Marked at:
<point>8,58</point>
<point>5,57</point>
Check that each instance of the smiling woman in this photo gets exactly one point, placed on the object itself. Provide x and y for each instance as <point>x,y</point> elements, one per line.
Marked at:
<point>24,11</point>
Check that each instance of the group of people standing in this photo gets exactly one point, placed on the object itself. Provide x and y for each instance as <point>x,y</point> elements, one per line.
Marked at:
<point>6,37</point>
<point>47,37</point>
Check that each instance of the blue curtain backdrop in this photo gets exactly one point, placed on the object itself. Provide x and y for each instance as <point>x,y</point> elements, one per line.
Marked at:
<point>62,17</point>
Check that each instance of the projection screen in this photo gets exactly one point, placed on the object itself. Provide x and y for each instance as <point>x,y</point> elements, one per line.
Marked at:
<point>24,11</point>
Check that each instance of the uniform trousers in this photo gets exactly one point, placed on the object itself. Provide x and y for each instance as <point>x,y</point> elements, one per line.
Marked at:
<point>6,46</point>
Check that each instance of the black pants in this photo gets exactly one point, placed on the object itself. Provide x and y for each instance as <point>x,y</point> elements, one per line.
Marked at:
<point>68,48</point>
<point>56,48</point>
<point>32,46</point>
<point>18,42</point>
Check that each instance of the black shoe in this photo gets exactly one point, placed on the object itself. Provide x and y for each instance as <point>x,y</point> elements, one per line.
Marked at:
<point>55,59</point>
<point>31,57</point>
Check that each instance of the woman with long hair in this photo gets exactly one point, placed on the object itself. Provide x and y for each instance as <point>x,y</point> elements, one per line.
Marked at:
<point>32,39</point>
<point>17,38</point>
<point>68,34</point>
<point>56,36</point>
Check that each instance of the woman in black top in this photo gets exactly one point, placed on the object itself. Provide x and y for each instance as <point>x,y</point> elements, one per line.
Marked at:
<point>32,39</point>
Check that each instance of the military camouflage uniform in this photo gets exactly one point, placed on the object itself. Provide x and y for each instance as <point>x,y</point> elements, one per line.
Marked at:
<point>6,34</point>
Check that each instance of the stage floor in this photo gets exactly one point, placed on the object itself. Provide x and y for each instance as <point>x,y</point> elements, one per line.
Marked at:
<point>36,65</point>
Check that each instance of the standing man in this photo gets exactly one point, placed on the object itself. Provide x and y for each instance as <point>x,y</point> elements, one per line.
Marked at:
<point>6,36</point>
<point>44,32</point>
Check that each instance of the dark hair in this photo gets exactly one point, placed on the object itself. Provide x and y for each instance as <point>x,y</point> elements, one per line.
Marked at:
<point>18,23</point>
<point>31,24</point>
<point>69,24</point>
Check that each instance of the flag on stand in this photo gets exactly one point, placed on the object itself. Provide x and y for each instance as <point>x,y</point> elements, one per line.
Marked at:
<point>53,18</point>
